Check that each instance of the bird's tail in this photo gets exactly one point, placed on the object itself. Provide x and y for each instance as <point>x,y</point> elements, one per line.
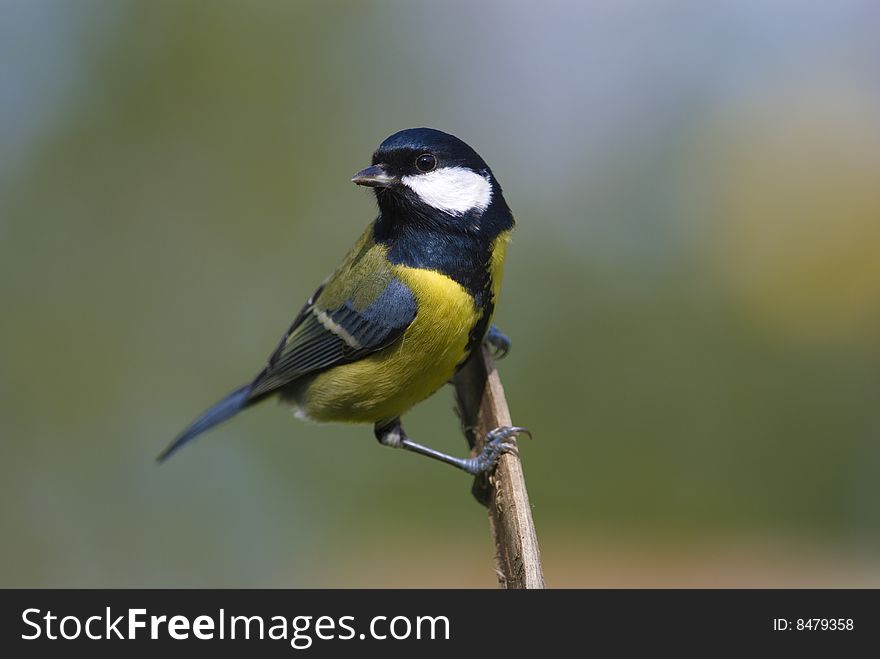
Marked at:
<point>225,409</point>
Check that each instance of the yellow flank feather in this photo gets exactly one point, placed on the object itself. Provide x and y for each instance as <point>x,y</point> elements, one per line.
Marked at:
<point>496,265</point>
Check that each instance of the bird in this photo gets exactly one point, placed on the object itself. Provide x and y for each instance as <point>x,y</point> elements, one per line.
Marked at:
<point>409,304</point>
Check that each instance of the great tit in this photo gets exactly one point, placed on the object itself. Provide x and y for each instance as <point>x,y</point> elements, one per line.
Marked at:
<point>410,302</point>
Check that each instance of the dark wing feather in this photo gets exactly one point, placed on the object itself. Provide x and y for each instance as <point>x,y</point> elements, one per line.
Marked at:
<point>321,338</point>
<point>307,307</point>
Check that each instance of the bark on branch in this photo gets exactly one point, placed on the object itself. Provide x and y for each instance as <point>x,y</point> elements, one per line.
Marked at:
<point>482,407</point>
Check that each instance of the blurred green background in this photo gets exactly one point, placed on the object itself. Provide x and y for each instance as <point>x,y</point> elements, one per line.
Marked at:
<point>693,290</point>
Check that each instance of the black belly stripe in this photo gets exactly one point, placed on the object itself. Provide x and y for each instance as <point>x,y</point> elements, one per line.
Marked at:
<point>475,338</point>
<point>460,248</point>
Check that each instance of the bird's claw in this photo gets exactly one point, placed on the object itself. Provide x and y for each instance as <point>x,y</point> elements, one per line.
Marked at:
<point>499,441</point>
<point>498,342</point>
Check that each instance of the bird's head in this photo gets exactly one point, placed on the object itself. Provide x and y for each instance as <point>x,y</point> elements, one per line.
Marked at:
<point>429,172</point>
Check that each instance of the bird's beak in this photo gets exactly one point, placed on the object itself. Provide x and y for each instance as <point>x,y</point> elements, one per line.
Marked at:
<point>374,177</point>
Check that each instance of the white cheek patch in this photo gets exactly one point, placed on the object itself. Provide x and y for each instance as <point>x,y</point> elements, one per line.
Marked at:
<point>454,190</point>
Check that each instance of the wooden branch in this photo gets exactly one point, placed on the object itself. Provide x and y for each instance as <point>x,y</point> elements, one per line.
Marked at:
<point>482,407</point>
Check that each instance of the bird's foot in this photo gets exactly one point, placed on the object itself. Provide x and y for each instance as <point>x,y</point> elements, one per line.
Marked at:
<point>498,442</point>
<point>498,342</point>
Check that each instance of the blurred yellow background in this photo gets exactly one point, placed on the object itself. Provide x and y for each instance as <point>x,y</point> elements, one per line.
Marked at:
<point>693,291</point>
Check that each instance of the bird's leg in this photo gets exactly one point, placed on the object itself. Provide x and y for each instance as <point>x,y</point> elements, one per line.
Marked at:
<point>498,442</point>
<point>498,342</point>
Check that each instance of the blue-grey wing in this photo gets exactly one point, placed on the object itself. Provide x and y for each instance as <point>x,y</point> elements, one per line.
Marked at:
<point>322,337</point>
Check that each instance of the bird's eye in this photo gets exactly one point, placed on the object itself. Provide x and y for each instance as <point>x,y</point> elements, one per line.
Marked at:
<point>426,162</point>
